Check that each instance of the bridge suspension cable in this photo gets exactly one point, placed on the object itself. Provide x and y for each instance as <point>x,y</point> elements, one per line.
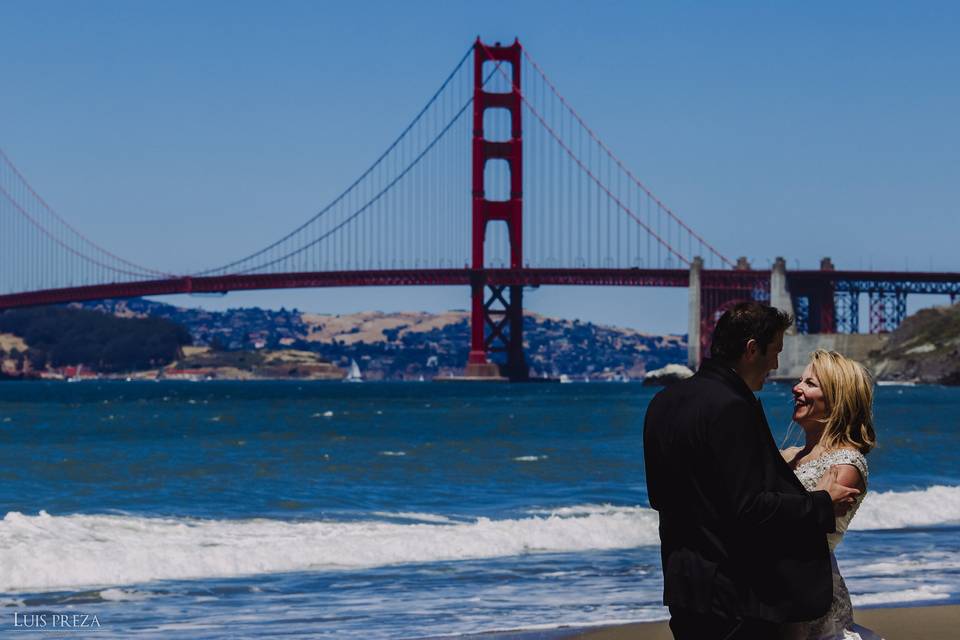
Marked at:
<point>277,253</point>
<point>619,163</point>
<point>366,205</point>
<point>39,249</point>
<point>20,180</point>
<point>585,209</point>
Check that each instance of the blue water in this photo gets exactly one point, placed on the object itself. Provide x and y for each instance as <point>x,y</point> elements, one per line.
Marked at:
<point>241,509</point>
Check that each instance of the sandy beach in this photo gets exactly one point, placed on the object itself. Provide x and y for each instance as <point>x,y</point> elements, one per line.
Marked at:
<point>893,623</point>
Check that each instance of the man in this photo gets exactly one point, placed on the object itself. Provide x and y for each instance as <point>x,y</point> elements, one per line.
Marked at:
<point>743,544</point>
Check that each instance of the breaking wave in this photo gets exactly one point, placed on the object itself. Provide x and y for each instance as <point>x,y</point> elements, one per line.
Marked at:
<point>45,552</point>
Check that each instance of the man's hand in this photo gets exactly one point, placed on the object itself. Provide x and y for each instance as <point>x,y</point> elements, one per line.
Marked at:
<point>841,495</point>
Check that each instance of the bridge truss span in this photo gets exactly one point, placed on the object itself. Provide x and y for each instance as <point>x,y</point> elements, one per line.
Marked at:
<point>828,301</point>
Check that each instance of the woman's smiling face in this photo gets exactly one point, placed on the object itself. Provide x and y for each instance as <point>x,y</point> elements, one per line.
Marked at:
<point>809,405</point>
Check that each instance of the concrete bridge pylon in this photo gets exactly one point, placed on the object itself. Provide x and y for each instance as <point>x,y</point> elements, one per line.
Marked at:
<point>780,291</point>
<point>693,314</point>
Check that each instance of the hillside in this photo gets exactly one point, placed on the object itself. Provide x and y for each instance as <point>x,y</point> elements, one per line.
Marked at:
<point>407,345</point>
<point>200,362</point>
<point>925,348</point>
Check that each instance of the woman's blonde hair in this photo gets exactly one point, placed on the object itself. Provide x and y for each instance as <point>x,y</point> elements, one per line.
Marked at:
<point>848,391</point>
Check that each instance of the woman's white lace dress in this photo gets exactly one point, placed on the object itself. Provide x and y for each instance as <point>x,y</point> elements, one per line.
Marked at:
<point>838,623</point>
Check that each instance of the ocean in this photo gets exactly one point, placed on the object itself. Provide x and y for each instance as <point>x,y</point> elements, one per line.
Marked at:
<point>393,510</point>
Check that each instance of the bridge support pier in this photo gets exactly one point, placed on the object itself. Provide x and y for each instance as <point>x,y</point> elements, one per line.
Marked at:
<point>693,315</point>
<point>887,310</point>
<point>846,308</point>
<point>780,291</point>
<point>814,303</point>
<point>496,326</point>
<point>477,364</point>
<point>716,292</point>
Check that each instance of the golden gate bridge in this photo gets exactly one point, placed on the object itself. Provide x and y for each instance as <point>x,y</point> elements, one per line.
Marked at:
<point>497,184</point>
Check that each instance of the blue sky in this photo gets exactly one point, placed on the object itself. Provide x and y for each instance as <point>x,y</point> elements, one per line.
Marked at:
<point>184,134</point>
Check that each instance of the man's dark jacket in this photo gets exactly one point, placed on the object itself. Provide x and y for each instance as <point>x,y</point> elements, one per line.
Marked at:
<point>740,536</point>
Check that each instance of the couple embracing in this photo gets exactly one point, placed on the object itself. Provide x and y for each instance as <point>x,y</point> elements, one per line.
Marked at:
<point>747,531</point>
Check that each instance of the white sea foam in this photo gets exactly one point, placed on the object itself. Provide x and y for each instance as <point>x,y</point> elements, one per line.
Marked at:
<point>124,595</point>
<point>414,515</point>
<point>529,458</point>
<point>937,505</point>
<point>934,506</point>
<point>584,510</point>
<point>920,593</point>
<point>904,565</point>
<point>104,550</point>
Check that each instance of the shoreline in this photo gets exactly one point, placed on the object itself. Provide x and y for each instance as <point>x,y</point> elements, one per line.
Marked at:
<point>898,622</point>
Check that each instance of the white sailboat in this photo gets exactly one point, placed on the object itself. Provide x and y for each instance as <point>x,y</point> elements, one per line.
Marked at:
<point>354,374</point>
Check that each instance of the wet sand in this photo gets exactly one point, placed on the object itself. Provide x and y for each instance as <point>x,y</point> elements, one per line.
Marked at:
<point>893,623</point>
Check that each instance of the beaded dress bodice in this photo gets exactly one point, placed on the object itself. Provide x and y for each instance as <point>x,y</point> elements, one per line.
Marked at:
<point>811,471</point>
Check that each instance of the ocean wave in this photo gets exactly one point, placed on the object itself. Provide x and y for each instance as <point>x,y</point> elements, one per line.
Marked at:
<point>919,594</point>
<point>45,552</point>
<point>414,515</point>
<point>124,595</point>
<point>936,505</point>
<point>904,565</point>
<point>586,510</point>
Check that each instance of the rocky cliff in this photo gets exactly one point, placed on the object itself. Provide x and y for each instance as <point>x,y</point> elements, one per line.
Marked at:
<point>926,348</point>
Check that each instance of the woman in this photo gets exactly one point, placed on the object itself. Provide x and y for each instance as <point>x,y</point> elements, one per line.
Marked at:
<point>833,404</point>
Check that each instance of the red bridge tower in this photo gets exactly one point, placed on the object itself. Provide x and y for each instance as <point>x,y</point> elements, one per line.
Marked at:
<point>496,322</point>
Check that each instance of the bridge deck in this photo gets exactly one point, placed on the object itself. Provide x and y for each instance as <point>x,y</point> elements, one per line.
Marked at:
<point>907,281</point>
<point>385,278</point>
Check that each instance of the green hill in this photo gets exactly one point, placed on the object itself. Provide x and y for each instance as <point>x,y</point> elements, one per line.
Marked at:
<point>58,337</point>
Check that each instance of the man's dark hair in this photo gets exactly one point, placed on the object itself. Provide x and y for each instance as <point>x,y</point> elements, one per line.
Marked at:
<point>745,321</point>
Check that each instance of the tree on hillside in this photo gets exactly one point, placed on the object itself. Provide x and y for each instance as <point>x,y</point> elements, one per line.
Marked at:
<point>60,336</point>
